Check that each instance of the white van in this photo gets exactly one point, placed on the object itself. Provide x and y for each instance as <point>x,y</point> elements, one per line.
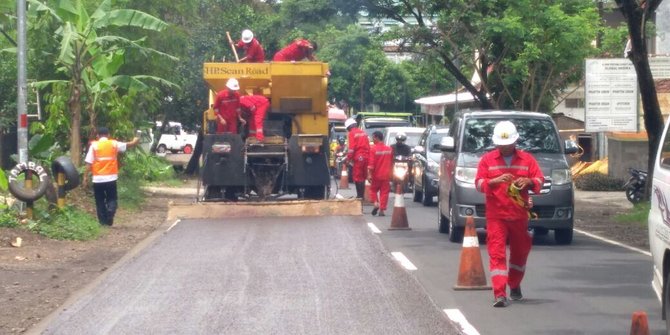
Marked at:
<point>659,224</point>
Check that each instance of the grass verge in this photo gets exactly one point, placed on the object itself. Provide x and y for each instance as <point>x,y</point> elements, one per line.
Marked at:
<point>638,215</point>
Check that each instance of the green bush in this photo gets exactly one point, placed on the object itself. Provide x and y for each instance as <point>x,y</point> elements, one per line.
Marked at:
<point>68,223</point>
<point>597,181</point>
<point>142,167</point>
<point>8,217</point>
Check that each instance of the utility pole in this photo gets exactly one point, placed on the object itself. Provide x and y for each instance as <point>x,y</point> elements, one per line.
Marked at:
<point>22,119</point>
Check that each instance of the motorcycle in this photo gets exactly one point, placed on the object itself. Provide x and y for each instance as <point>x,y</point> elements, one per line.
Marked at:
<point>635,186</point>
<point>402,172</point>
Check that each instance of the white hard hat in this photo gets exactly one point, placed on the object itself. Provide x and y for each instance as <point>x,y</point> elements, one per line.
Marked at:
<point>247,36</point>
<point>233,84</point>
<point>349,122</point>
<point>505,133</point>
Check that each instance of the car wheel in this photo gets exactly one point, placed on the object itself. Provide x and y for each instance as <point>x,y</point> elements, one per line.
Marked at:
<point>427,197</point>
<point>455,233</point>
<point>188,149</point>
<point>418,195</point>
<point>442,221</point>
<point>666,299</point>
<point>161,149</point>
<point>563,236</point>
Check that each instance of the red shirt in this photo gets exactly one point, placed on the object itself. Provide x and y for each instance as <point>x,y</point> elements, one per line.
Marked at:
<point>296,51</point>
<point>498,204</point>
<point>253,51</point>
<point>380,163</point>
<point>359,145</point>
<point>227,103</point>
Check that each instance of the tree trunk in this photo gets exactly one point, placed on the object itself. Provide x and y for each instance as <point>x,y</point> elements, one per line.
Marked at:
<point>75,126</point>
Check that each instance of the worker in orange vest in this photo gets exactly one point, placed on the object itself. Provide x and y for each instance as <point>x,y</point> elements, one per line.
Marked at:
<point>101,161</point>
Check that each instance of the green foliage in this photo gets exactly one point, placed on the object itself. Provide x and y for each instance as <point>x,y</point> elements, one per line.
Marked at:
<point>613,41</point>
<point>638,215</point>
<point>597,181</point>
<point>4,183</point>
<point>8,217</point>
<point>139,167</point>
<point>68,223</point>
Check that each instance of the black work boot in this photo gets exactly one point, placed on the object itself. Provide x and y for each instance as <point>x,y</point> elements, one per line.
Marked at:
<point>360,190</point>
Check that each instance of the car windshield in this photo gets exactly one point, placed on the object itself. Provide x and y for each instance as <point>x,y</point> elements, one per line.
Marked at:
<point>412,138</point>
<point>535,135</point>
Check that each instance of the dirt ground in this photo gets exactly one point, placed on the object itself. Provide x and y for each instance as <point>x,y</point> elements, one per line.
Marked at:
<point>38,277</point>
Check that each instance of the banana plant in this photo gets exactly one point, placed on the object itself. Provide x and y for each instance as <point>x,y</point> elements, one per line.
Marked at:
<point>89,56</point>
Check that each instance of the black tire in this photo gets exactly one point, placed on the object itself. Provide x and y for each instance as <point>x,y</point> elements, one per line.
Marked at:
<point>161,149</point>
<point>455,233</point>
<point>442,221</point>
<point>64,164</point>
<point>666,300</point>
<point>634,195</point>
<point>418,195</point>
<point>563,236</point>
<point>427,197</point>
<point>16,186</point>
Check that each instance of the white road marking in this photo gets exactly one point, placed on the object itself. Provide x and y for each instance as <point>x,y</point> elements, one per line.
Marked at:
<point>374,228</point>
<point>457,317</point>
<point>403,261</point>
<point>174,224</point>
<point>647,253</point>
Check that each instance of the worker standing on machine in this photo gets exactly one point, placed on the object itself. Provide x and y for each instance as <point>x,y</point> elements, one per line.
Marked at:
<point>357,156</point>
<point>227,107</point>
<point>253,50</point>
<point>254,108</point>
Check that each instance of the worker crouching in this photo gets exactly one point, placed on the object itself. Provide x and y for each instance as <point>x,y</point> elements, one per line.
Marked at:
<point>254,108</point>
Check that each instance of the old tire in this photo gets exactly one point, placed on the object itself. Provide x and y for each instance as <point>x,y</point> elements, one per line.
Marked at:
<point>16,186</point>
<point>188,149</point>
<point>64,164</point>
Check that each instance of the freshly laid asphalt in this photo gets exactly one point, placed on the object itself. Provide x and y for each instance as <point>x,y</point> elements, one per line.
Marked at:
<point>308,275</point>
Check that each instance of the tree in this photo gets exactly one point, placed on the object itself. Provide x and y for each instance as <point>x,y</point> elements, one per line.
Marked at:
<point>637,15</point>
<point>89,57</point>
<point>525,49</point>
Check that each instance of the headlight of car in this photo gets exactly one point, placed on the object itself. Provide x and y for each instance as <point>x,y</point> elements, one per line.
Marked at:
<point>433,166</point>
<point>561,176</point>
<point>466,175</point>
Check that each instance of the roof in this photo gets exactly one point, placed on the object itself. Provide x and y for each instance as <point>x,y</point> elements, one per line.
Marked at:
<point>418,130</point>
<point>446,99</point>
<point>506,113</point>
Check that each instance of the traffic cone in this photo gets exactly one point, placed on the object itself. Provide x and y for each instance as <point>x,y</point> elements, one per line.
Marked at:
<point>471,274</point>
<point>399,217</point>
<point>344,179</point>
<point>366,193</point>
<point>640,325</point>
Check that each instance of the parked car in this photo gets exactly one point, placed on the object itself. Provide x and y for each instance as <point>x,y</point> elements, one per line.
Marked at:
<point>413,135</point>
<point>470,138</point>
<point>426,164</point>
<point>176,139</point>
<point>659,225</point>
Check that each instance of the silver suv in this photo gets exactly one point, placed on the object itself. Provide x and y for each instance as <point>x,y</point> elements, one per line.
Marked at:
<point>470,139</point>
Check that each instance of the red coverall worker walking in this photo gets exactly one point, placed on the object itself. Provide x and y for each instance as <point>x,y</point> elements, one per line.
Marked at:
<point>253,50</point>
<point>227,107</point>
<point>507,209</point>
<point>254,108</point>
<point>296,51</point>
<point>380,169</point>
<point>359,151</point>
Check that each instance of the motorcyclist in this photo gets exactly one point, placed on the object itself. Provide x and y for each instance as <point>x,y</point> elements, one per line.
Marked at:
<point>403,152</point>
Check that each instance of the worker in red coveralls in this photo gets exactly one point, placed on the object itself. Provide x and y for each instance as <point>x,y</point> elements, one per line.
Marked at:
<point>357,155</point>
<point>253,50</point>
<point>505,175</point>
<point>380,168</point>
<point>297,51</point>
<point>254,108</point>
<point>227,107</point>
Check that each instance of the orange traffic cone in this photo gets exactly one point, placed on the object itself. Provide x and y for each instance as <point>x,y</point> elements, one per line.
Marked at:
<point>344,179</point>
<point>640,325</point>
<point>471,274</point>
<point>366,193</point>
<point>399,217</point>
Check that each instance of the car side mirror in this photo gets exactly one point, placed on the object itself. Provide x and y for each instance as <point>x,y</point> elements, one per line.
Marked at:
<point>447,144</point>
<point>571,147</point>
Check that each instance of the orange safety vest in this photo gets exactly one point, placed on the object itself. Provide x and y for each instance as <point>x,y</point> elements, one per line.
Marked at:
<point>104,158</point>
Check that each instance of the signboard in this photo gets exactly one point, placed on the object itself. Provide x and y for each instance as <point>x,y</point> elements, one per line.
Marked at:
<point>660,67</point>
<point>610,95</point>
